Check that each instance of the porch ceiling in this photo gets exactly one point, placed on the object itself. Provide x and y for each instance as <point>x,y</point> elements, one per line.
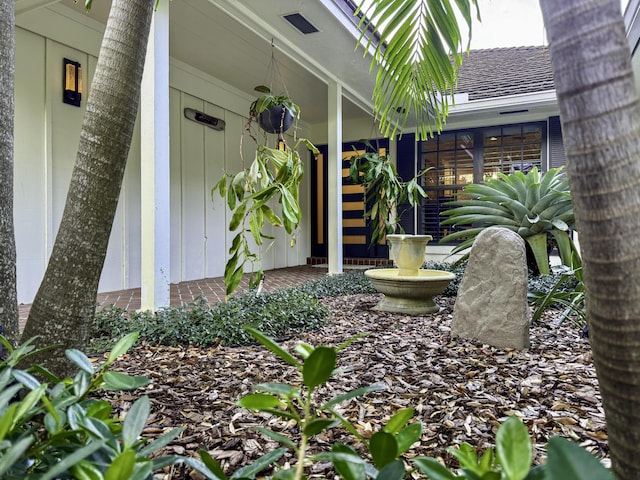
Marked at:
<point>231,40</point>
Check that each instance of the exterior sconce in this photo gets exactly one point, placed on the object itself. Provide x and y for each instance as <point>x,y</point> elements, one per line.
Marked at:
<point>72,81</point>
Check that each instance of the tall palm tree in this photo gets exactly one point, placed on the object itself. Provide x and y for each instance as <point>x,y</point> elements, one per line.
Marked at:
<point>8,295</point>
<point>600,118</point>
<point>65,302</point>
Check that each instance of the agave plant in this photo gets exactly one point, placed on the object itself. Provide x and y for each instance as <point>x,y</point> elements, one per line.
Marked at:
<point>536,206</point>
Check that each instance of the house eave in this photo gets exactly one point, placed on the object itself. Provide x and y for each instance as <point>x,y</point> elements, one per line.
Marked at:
<point>507,103</point>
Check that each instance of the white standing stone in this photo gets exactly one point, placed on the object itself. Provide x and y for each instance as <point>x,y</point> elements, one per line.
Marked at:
<point>491,306</point>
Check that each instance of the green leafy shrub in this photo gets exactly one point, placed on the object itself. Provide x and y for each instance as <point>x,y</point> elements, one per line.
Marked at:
<point>564,290</point>
<point>279,314</point>
<point>456,268</point>
<point>56,430</point>
<point>535,206</point>
<point>351,282</point>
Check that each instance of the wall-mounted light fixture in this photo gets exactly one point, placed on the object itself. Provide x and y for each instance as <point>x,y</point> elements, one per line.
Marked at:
<point>72,81</point>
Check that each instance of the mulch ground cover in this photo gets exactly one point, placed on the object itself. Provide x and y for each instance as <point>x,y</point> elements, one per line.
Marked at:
<point>461,390</point>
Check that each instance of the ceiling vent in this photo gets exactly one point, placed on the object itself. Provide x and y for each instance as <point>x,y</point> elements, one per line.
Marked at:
<point>300,23</point>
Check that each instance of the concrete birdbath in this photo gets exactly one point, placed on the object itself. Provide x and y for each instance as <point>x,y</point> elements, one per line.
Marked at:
<point>409,289</point>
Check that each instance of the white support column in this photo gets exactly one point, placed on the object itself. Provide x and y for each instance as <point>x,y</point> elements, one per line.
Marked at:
<point>154,115</point>
<point>334,179</point>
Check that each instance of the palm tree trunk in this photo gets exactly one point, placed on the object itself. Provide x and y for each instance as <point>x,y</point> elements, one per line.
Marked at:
<point>8,295</point>
<point>65,303</point>
<point>600,117</point>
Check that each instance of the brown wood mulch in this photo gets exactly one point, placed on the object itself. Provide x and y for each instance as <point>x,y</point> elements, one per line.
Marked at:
<point>461,390</point>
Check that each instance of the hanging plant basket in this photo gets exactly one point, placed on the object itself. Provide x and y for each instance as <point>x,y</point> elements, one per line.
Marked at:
<point>277,119</point>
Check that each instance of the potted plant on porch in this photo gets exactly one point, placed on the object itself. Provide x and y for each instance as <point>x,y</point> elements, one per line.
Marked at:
<point>384,190</point>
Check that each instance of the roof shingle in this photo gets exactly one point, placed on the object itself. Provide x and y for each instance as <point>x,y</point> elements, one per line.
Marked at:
<point>498,72</point>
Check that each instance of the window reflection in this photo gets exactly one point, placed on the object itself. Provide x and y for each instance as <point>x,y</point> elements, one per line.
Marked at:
<point>451,156</point>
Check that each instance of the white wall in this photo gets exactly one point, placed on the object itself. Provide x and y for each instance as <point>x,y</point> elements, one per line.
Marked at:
<point>46,138</point>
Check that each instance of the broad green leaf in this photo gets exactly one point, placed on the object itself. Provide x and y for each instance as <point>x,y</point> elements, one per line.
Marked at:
<point>14,454</point>
<point>233,280</point>
<point>358,392</point>
<point>8,393</point>
<point>408,436</point>
<point>399,420</point>
<point>568,461</point>
<point>318,368</point>
<point>304,349</point>
<point>212,464</point>
<point>273,346</point>
<point>121,347</point>
<point>282,389</point>
<point>25,379</point>
<point>85,470</point>
<point>100,409</point>
<point>71,459</point>
<point>80,359</point>
<point>346,461</point>
<point>383,448</point>
<point>122,381</point>
<point>513,449</point>
<point>135,421</point>
<point>81,383</point>
<point>160,442</point>
<point>259,465</point>
<point>538,244</point>
<point>29,402</point>
<point>317,425</point>
<point>260,401</point>
<point>392,471</point>
<point>122,466</point>
<point>433,469</point>
<point>237,217</point>
<point>289,474</point>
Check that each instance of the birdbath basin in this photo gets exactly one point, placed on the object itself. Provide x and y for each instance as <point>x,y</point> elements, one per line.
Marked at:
<point>411,294</point>
<point>409,289</point>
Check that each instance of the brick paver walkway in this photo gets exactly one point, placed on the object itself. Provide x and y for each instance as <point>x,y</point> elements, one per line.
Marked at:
<point>210,288</point>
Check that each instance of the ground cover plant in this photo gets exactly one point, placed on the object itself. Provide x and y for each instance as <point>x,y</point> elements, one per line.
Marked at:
<point>55,428</point>
<point>286,312</point>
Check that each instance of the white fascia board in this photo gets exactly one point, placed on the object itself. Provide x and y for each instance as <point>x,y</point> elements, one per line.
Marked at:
<point>506,103</point>
<point>23,6</point>
<point>64,25</point>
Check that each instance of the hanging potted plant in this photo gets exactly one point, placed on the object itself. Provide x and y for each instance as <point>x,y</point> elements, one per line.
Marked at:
<point>274,113</point>
<point>267,191</point>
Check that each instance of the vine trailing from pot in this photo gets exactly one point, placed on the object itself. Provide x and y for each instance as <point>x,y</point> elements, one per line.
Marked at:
<point>273,178</point>
<point>384,190</point>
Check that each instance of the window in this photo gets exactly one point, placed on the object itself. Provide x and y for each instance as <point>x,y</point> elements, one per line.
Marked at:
<point>467,156</point>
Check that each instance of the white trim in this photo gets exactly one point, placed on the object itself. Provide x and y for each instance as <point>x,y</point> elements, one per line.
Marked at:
<point>247,18</point>
<point>23,6</point>
<point>334,179</point>
<point>188,79</point>
<point>511,102</point>
<point>155,166</point>
<point>65,26</point>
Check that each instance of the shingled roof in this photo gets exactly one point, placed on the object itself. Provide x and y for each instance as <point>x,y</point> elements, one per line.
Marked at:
<point>498,72</point>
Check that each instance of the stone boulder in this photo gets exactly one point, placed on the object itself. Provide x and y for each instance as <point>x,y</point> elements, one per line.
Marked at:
<point>491,306</point>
